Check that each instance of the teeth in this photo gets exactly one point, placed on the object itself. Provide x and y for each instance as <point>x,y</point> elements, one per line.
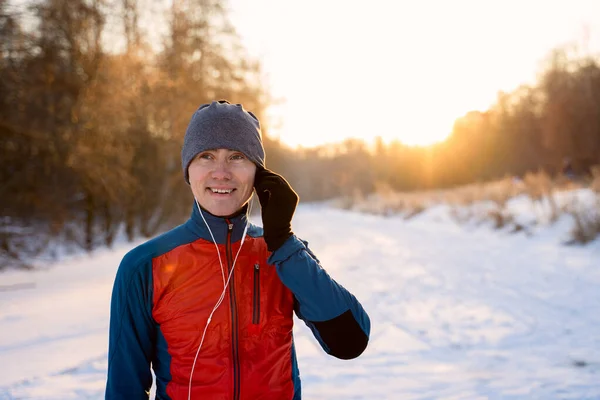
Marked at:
<point>222,191</point>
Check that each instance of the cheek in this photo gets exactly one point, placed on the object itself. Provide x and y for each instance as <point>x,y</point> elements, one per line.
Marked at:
<point>246,180</point>
<point>248,184</point>
<point>196,173</point>
<point>246,175</point>
<point>250,178</point>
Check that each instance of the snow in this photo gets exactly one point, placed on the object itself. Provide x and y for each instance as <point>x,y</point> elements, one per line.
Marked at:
<point>457,313</point>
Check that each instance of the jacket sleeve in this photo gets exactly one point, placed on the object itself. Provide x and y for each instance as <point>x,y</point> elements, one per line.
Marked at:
<point>132,332</point>
<point>336,318</point>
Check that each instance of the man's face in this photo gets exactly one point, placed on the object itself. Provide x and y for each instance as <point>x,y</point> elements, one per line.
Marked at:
<point>222,180</point>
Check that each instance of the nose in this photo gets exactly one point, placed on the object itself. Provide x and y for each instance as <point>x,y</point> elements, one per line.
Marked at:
<point>221,170</point>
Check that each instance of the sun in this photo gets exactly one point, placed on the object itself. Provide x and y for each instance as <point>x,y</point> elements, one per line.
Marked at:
<point>411,126</point>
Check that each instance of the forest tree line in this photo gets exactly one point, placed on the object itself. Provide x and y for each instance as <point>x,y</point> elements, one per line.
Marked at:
<point>547,126</point>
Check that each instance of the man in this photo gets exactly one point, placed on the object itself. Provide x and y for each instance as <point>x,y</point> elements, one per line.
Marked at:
<point>209,305</point>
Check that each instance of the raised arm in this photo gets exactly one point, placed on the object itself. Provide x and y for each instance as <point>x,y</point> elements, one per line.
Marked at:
<point>335,317</point>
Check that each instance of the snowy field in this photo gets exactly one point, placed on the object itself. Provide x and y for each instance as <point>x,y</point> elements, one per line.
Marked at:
<point>457,313</point>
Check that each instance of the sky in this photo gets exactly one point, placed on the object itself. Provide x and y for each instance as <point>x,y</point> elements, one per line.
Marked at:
<point>399,69</point>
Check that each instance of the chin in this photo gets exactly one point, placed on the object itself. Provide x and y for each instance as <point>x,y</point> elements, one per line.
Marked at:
<point>223,211</point>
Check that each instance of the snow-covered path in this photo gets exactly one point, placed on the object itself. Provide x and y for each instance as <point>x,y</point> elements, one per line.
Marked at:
<point>456,314</point>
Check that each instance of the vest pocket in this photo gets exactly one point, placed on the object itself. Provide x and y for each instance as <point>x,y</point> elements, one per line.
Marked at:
<point>256,297</point>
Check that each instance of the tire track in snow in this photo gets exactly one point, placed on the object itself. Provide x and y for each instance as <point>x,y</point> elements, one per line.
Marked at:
<point>461,286</point>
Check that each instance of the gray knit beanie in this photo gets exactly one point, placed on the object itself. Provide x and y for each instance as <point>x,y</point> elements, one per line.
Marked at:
<point>221,125</point>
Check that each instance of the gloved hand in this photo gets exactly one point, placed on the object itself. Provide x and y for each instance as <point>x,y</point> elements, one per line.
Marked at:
<point>278,201</point>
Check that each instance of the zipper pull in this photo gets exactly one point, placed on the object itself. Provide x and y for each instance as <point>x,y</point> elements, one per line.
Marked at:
<point>230,227</point>
<point>256,267</point>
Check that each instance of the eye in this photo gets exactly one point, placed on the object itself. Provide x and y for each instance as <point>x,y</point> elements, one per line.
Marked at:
<point>237,157</point>
<point>204,156</point>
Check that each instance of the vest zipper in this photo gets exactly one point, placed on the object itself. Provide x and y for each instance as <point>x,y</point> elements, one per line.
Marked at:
<point>234,319</point>
<point>256,302</point>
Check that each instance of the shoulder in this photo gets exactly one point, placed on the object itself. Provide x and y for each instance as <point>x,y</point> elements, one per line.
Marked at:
<point>142,255</point>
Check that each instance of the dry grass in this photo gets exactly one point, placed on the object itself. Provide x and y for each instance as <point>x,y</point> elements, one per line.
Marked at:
<point>595,183</point>
<point>586,229</point>
<point>538,185</point>
<point>540,188</point>
<point>387,202</point>
<point>349,202</point>
<point>587,220</point>
<point>500,218</point>
<point>489,203</point>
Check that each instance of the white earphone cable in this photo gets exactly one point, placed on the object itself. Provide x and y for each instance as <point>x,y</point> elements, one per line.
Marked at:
<point>213,239</point>
<point>225,284</point>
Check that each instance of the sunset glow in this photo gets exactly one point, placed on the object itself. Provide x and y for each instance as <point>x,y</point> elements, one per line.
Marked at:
<point>399,70</point>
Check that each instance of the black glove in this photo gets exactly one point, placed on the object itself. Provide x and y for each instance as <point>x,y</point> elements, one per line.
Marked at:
<point>278,201</point>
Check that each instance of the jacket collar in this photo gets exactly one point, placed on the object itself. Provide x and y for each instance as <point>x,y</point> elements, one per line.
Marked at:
<point>218,225</point>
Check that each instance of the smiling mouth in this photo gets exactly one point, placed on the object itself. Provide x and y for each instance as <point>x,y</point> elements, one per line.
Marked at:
<point>221,191</point>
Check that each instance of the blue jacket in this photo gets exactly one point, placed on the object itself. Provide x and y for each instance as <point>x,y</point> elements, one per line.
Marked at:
<point>166,288</point>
